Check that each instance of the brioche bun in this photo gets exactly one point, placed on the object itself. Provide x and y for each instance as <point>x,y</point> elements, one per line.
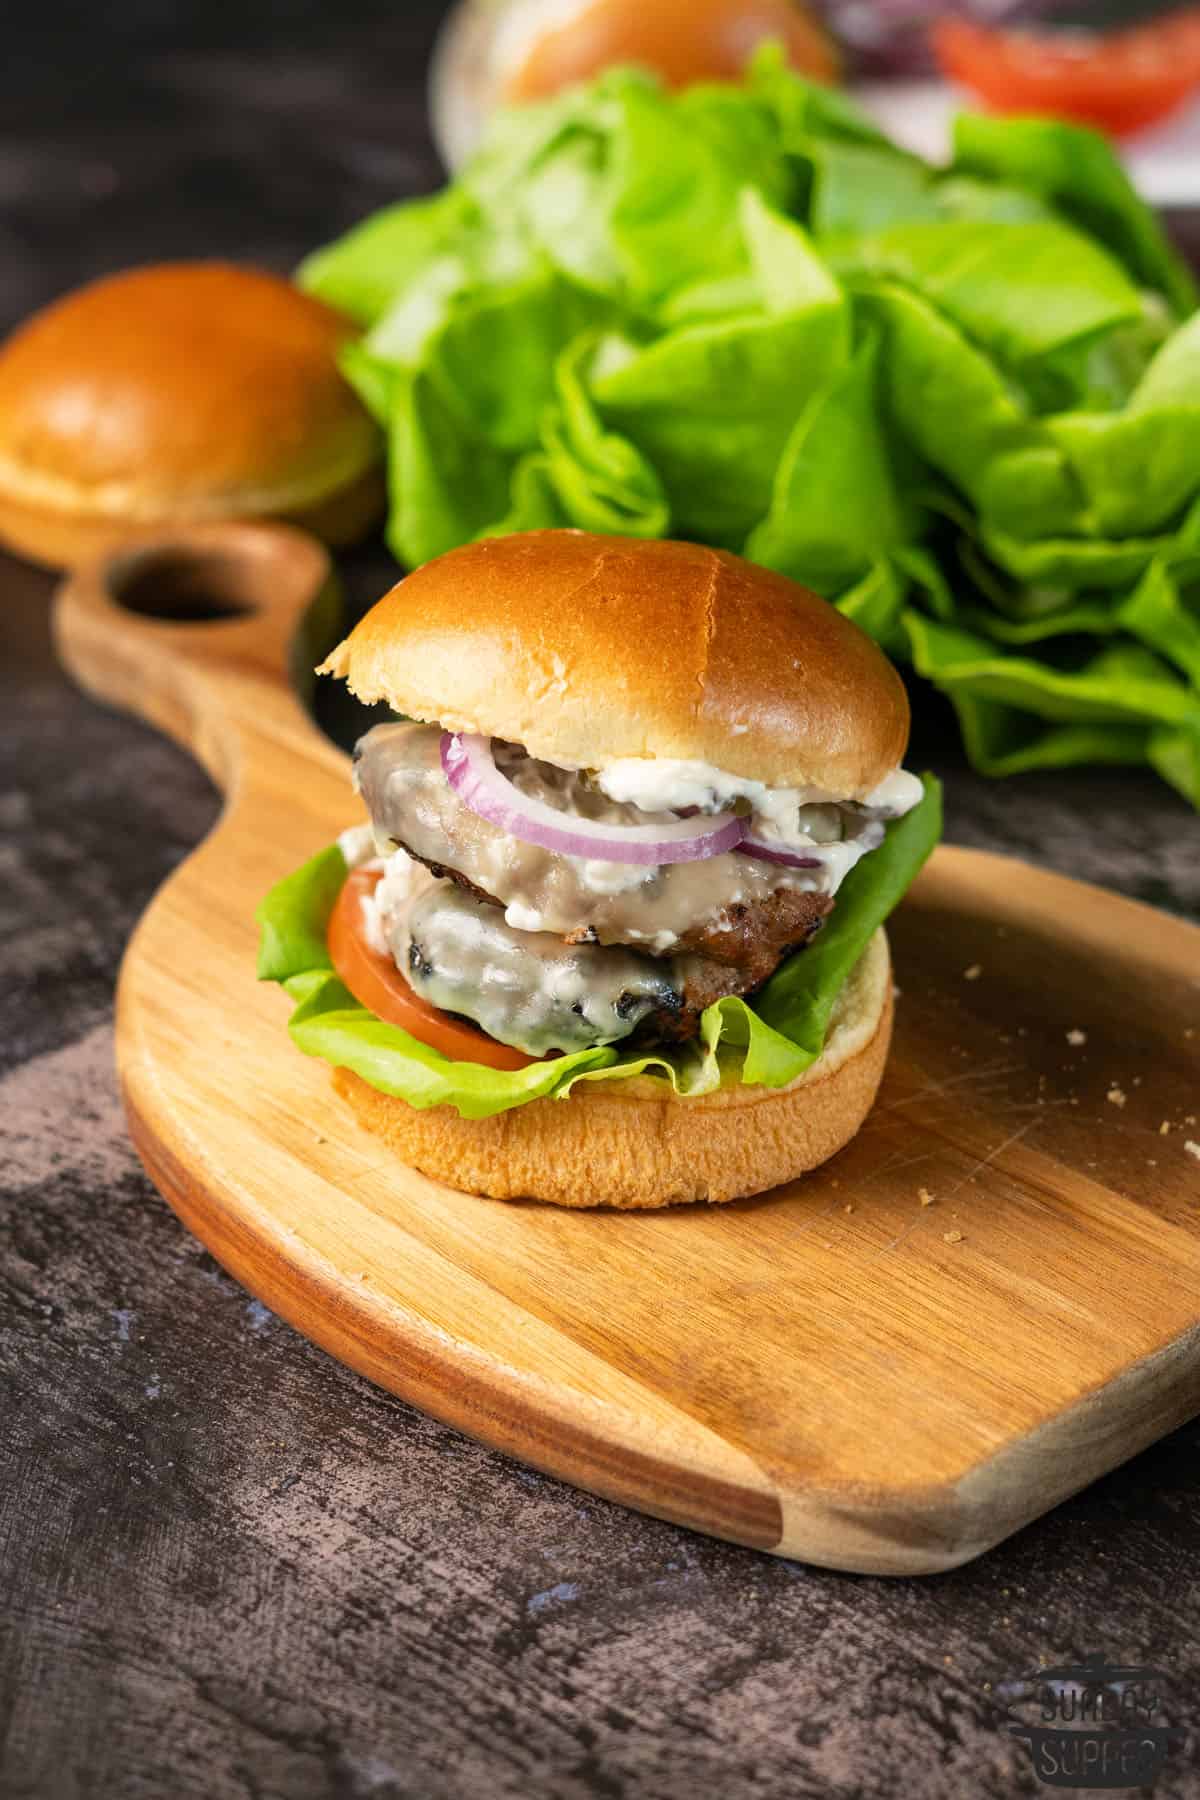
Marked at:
<point>586,649</point>
<point>176,394</point>
<point>635,1144</point>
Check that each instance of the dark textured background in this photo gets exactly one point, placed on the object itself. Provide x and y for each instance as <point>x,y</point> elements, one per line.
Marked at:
<point>227,1566</point>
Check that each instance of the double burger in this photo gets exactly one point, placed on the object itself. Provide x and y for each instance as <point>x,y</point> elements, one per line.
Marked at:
<point>612,935</point>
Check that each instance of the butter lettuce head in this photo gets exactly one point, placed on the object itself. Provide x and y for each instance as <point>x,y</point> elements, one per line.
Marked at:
<point>952,400</point>
<point>767,1042</point>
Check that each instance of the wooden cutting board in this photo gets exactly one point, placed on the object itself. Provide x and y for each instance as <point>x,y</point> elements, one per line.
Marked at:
<point>988,1299</point>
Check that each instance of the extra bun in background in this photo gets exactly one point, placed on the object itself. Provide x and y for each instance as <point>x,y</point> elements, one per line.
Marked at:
<point>176,394</point>
<point>633,1144</point>
<point>587,649</point>
<point>495,52</point>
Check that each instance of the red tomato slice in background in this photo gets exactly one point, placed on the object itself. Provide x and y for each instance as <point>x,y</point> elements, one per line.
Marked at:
<point>1120,81</point>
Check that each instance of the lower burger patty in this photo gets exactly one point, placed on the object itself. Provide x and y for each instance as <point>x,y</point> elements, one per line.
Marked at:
<point>542,993</point>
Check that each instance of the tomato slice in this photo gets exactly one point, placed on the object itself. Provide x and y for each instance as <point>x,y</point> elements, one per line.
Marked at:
<point>1119,81</point>
<point>684,40</point>
<point>378,984</point>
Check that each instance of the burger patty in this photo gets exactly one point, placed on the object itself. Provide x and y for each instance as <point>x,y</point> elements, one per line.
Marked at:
<point>751,949</point>
<point>731,952</point>
<point>754,937</point>
<point>725,906</point>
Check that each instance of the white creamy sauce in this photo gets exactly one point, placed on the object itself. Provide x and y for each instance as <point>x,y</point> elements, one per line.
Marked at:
<point>357,845</point>
<point>896,794</point>
<point>402,879</point>
<point>665,784</point>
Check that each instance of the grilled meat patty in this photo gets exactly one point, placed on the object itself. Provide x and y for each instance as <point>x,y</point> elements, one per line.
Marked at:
<point>660,910</point>
<point>660,1004</point>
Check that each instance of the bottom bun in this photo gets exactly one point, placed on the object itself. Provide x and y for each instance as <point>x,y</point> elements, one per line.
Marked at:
<point>635,1144</point>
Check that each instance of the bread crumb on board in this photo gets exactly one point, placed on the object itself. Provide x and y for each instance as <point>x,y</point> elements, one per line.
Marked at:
<point>924,1196</point>
<point>1076,1037</point>
<point>1115,1096</point>
<point>973,973</point>
<point>953,1237</point>
<point>1164,1128</point>
<point>1192,1148</point>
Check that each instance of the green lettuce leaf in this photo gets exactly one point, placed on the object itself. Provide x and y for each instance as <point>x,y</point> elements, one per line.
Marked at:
<point>1068,564</point>
<point>768,1043</point>
<point>1121,683</point>
<point>713,407</point>
<point>804,110</point>
<point>1138,467</point>
<point>1069,288</point>
<point>1176,756</point>
<point>600,480</point>
<point>1077,171</point>
<point>836,510</point>
<point>362,272</point>
<point>1121,705</point>
<point>952,404</point>
<point>876,604</point>
<point>679,168</point>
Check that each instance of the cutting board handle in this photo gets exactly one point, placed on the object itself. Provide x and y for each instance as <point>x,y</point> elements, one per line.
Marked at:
<point>208,632</point>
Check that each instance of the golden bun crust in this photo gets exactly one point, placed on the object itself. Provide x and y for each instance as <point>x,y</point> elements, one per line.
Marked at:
<point>586,649</point>
<point>635,1145</point>
<point>175,394</point>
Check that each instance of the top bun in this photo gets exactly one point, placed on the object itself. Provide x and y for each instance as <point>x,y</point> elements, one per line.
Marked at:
<point>184,392</point>
<point>586,649</point>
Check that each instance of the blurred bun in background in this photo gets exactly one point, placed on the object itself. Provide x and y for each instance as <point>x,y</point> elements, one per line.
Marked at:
<point>174,394</point>
<point>493,52</point>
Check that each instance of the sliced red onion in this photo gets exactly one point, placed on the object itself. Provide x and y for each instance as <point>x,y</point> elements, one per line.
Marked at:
<point>780,853</point>
<point>471,771</point>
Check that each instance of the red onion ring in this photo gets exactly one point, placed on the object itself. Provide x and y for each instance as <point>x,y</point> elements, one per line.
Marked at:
<point>778,853</point>
<point>471,770</point>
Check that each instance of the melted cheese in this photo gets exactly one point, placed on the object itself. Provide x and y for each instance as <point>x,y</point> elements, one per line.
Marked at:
<point>524,988</point>
<point>400,776</point>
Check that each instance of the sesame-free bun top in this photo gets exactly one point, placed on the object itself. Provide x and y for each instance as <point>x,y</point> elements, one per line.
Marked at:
<point>586,649</point>
<point>176,393</point>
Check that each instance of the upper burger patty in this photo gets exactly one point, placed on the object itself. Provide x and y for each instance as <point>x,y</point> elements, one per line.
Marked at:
<point>730,919</point>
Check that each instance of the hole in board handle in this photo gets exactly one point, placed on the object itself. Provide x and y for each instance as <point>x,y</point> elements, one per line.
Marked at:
<point>180,586</point>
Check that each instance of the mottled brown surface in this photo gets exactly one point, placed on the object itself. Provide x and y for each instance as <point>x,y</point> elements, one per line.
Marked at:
<point>229,1569</point>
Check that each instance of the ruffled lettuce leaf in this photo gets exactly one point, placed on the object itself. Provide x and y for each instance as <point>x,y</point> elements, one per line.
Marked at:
<point>714,405</point>
<point>837,507</point>
<point>768,1043</point>
<point>1070,289</point>
<point>1079,173</point>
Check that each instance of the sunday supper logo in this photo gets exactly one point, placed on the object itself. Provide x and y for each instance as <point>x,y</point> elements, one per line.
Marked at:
<point>1093,1724</point>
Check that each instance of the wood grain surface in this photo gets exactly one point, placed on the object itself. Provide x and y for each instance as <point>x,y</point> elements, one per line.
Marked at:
<point>992,1296</point>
